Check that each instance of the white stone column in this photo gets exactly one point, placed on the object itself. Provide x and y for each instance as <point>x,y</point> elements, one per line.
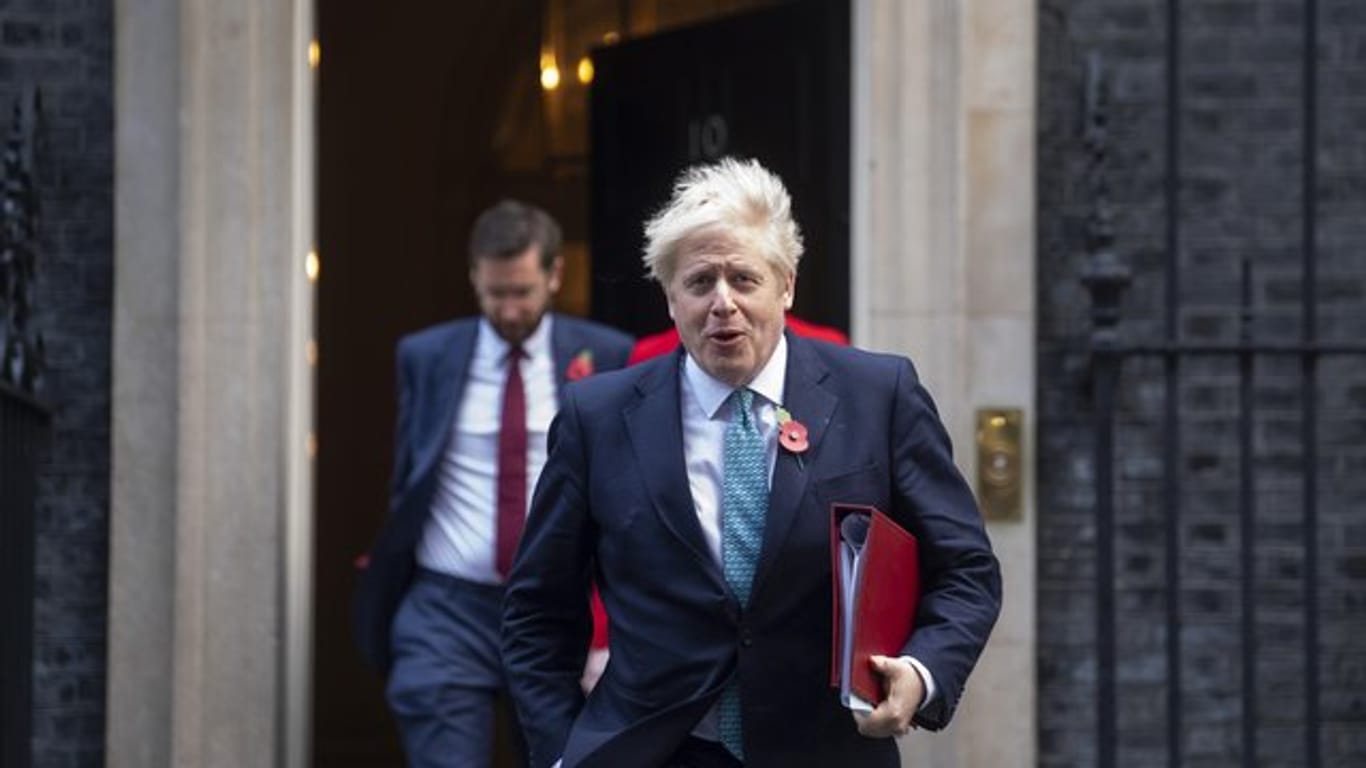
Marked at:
<point>943,271</point>
<point>208,626</point>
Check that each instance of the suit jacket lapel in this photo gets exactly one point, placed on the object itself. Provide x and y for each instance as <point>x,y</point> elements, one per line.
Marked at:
<point>655,425</point>
<point>811,404</point>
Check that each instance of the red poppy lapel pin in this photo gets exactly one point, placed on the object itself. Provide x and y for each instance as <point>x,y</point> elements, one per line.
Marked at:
<point>792,433</point>
<point>581,367</point>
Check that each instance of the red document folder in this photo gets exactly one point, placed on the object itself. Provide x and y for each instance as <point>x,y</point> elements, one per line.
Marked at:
<point>876,577</point>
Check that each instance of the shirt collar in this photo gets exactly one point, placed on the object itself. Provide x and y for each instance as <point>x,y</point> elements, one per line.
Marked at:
<point>711,394</point>
<point>537,345</point>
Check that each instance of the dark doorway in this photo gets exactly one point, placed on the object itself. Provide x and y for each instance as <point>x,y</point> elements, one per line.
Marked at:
<point>427,113</point>
<point>772,85</point>
<point>411,98</point>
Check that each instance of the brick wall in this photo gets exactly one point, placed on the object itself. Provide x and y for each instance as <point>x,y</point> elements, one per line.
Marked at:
<point>1241,120</point>
<point>62,50</point>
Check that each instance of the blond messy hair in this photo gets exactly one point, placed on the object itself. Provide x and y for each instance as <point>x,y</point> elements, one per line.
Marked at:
<point>735,199</point>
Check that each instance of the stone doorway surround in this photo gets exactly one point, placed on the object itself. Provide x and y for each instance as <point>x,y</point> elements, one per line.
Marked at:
<point>943,194</point>
<point>209,572</point>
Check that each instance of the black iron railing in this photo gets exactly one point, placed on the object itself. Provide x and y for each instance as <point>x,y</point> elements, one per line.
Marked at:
<point>25,429</point>
<point>1106,277</point>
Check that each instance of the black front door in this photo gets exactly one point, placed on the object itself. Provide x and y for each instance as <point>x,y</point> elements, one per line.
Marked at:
<point>772,85</point>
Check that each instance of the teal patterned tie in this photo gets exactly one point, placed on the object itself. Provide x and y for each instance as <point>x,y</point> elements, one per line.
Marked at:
<point>744,507</point>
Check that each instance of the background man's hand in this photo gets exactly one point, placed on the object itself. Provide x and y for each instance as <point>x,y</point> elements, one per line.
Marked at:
<point>905,692</point>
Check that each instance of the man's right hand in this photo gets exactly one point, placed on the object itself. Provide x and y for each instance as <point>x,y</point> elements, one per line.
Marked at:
<point>905,693</point>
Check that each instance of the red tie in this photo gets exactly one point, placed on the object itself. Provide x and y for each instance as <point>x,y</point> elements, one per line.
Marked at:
<point>511,463</point>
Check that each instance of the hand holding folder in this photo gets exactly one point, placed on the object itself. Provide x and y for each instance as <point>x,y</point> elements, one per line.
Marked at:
<point>876,577</point>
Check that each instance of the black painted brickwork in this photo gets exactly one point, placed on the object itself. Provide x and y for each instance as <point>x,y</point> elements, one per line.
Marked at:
<point>62,49</point>
<point>1241,120</point>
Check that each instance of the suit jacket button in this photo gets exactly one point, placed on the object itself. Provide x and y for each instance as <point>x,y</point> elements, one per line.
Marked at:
<point>746,640</point>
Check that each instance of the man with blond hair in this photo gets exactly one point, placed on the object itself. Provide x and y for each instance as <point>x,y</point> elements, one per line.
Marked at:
<point>683,486</point>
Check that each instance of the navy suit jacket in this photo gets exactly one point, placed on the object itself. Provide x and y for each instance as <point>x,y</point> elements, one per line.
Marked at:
<point>613,502</point>
<point>432,366</point>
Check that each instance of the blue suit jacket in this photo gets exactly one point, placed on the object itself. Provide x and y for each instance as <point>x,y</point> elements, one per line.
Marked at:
<point>432,366</point>
<point>613,501</point>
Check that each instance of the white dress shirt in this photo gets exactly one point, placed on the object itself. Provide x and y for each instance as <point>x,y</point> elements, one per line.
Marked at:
<point>460,535</point>
<point>706,412</point>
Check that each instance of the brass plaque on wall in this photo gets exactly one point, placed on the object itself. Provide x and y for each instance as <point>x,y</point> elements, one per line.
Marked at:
<point>1000,463</point>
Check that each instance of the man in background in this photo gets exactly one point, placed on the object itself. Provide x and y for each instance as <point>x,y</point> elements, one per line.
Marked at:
<point>475,400</point>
